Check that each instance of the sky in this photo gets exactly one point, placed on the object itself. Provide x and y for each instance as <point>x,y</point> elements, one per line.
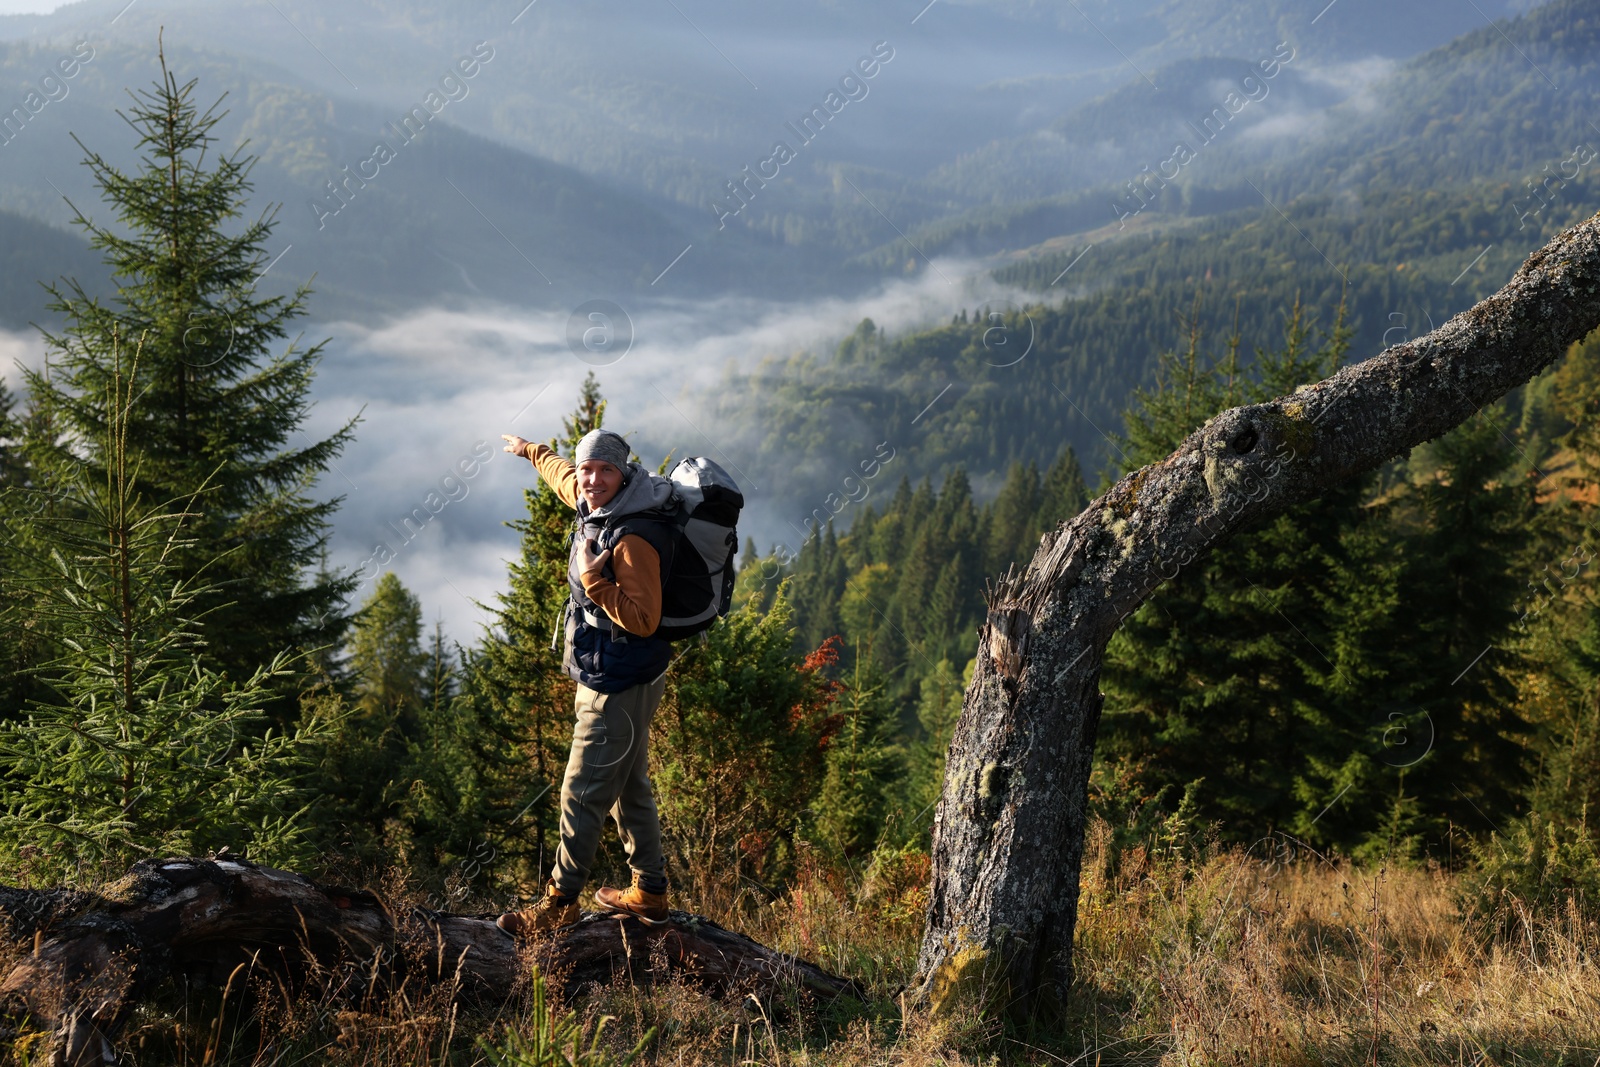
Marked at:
<point>28,7</point>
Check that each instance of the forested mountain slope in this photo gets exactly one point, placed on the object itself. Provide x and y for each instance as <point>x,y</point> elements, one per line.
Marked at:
<point>600,156</point>
<point>30,252</point>
<point>1404,206</point>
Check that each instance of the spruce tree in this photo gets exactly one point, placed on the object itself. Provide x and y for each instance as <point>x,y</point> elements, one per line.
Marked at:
<point>23,647</point>
<point>1560,696</point>
<point>1558,676</point>
<point>466,806</point>
<point>1342,673</point>
<point>387,662</point>
<point>938,707</point>
<point>819,581</point>
<point>425,771</point>
<point>1575,399</point>
<point>1064,493</point>
<point>1246,681</point>
<point>889,533</point>
<point>737,748</point>
<point>369,760</point>
<point>862,765</point>
<point>862,614</point>
<point>1013,533</point>
<point>756,578</point>
<point>141,746</point>
<point>1474,511</point>
<point>222,406</point>
<point>13,467</point>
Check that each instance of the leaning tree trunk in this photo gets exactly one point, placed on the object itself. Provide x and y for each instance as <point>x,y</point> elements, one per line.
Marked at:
<point>87,959</point>
<point>1008,836</point>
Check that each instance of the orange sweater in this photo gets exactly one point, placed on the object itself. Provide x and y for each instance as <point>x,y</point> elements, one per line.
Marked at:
<point>633,601</point>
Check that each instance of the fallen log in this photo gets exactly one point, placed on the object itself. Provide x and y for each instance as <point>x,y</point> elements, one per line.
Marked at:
<point>89,958</point>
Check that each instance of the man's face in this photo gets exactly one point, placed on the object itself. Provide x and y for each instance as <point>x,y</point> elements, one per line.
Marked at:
<point>598,481</point>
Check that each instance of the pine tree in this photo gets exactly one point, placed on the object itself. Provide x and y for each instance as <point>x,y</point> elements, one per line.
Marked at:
<point>142,747</point>
<point>218,409</point>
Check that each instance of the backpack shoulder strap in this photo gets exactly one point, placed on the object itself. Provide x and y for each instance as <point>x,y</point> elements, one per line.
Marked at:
<point>662,530</point>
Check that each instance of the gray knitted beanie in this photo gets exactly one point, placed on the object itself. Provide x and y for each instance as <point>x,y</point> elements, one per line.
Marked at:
<point>603,445</point>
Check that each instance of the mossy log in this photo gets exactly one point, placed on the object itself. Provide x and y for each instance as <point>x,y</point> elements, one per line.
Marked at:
<point>87,959</point>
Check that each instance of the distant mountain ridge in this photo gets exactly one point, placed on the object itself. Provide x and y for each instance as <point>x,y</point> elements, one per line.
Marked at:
<point>448,216</point>
<point>1476,112</point>
<point>599,138</point>
<point>1165,30</point>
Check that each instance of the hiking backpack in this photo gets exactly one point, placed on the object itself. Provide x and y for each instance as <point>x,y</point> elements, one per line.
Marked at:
<point>697,590</point>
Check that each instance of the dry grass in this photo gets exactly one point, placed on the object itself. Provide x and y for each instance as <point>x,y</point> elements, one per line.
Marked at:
<point>1225,957</point>
<point>1238,959</point>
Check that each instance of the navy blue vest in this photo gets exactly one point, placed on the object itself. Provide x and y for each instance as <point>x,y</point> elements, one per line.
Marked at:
<point>600,653</point>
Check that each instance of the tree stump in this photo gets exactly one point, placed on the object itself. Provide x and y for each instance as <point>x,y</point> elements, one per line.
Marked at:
<point>89,958</point>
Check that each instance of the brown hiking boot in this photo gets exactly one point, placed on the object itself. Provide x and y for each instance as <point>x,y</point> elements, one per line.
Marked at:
<point>551,912</point>
<point>650,908</point>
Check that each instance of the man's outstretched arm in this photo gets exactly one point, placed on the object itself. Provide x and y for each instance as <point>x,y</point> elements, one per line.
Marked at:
<point>557,472</point>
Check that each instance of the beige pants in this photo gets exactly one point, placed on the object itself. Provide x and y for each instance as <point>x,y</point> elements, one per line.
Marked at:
<point>607,773</point>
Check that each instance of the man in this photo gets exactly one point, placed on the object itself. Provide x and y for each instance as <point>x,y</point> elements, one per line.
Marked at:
<point>614,570</point>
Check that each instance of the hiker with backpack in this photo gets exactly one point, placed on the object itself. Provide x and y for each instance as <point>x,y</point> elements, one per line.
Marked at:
<point>650,561</point>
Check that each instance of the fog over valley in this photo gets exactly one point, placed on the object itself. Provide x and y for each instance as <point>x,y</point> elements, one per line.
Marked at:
<point>1029,202</point>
